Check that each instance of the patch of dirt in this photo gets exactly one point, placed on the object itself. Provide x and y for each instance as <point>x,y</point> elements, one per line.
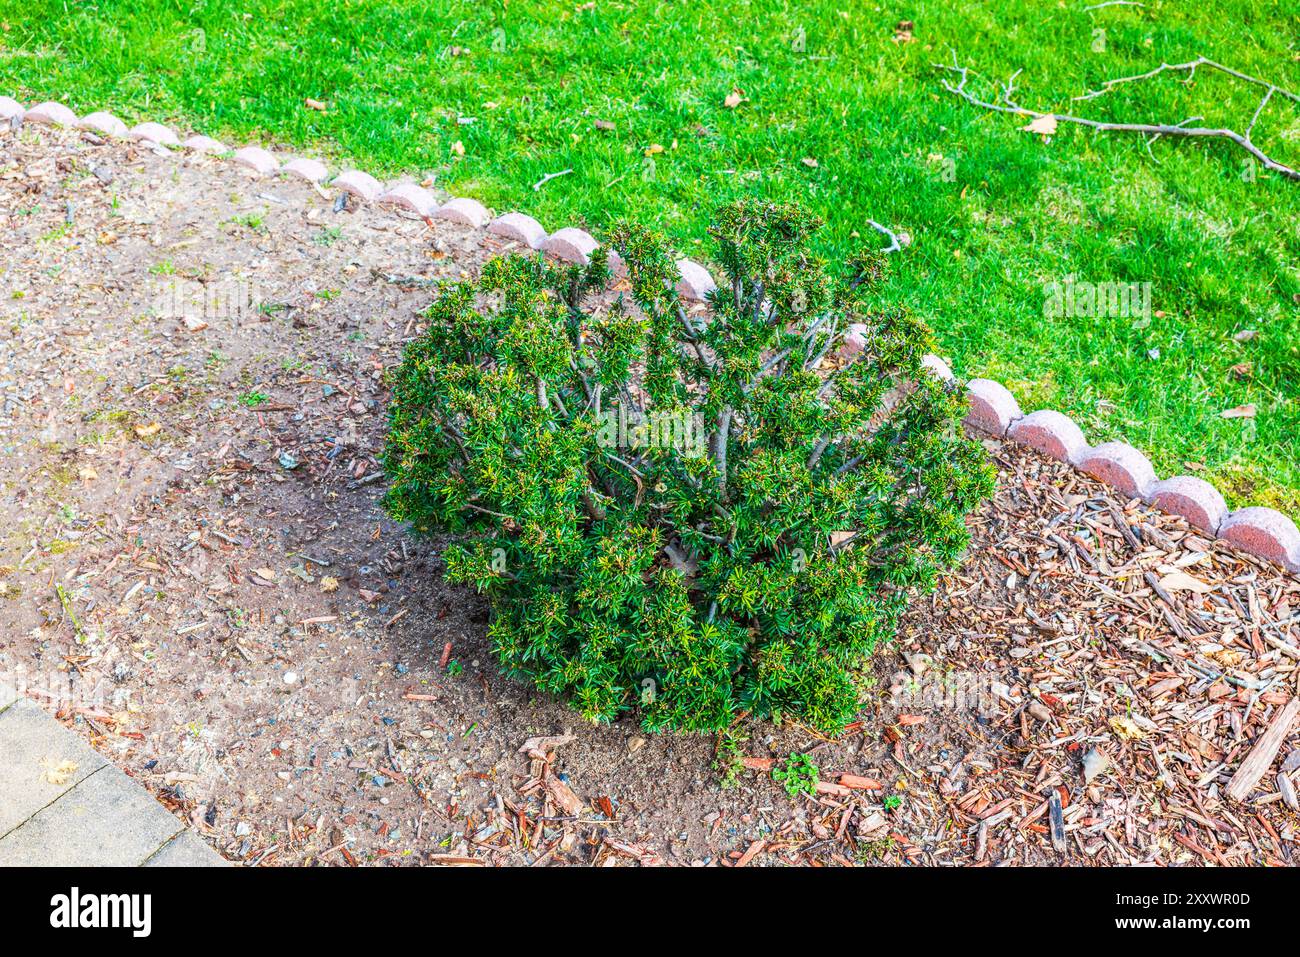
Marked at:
<point>196,575</point>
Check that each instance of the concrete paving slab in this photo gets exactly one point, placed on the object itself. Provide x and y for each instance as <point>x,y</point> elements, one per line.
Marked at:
<point>105,821</point>
<point>39,761</point>
<point>186,849</point>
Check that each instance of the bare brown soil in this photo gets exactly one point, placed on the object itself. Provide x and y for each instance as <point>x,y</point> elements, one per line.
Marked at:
<point>190,538</point>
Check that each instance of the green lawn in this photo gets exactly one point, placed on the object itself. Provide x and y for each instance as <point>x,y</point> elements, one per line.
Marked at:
<point>835,114</point>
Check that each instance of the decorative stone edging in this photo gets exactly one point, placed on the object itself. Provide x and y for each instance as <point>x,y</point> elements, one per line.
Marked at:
<point>1263,532</point>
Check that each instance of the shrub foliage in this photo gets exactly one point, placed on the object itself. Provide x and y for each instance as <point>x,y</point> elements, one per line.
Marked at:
<point>693,514</point>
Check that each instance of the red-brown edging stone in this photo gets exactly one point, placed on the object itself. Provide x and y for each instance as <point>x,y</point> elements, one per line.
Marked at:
<point>695,282</point>
<point>361,185</point>
<point>313,171</point>
<point>1050,432</point>
<point>1264,532</point>
<point>51,114</point>
<point>257,159</point>
<point>154,133</point>
<point>105,123</point>
<point>205,144</point>
<point>571,245</point>
<point>409,196</point>
<point>467,212</point>
<point>519,227</point>
<point>992,407</point>
<point>1120,466</point>
<point>1194,499</point>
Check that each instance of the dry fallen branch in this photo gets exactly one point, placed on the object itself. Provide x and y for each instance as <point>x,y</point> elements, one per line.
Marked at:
<point>1190,68</point>
<point>1005,104</point>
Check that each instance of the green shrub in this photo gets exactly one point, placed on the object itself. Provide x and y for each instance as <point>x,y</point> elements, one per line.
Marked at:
<point>691,515</point>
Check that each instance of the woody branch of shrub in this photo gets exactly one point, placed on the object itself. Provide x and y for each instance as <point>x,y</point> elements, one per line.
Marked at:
<point>693,583</point>
<point>1046,122</point>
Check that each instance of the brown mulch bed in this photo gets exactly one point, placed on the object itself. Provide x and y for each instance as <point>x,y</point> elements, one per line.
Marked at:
<point>190,538</point>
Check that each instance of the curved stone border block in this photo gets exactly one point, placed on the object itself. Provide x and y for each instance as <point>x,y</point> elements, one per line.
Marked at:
<point>695,282</point>
<point>51,114</point>
<point>412,197</point>
<point>992,407</point>
<point>102,122</point>
<point>1120,466</point>
<point>257,159</point>
<point>361,185</point>
<point>313,171</point>
<point>467,212</point>
<point>204,144</point>
<point>938,367</point>
<point>154,133</point>
<point>855,340</point>
<point>520,228</point>
<point>1264,532</point>
<point>1052,433</point>
<point>1194,499</point>
<point>9,108</point>
<point>571,245</point>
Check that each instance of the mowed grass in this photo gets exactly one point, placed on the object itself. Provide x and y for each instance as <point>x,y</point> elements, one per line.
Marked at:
<point>835,114</point>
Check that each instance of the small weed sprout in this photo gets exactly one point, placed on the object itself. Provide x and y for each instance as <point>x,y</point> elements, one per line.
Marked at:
<point>799,775</point>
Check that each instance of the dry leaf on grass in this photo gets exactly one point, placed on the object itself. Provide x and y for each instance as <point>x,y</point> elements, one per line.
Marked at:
<point>1246,411</point>
<point>733,100</point>
<point>1045,124</point>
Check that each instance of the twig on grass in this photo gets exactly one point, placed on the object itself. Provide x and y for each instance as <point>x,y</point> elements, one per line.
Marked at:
<point>894,245</point>
<point>1190,68</point>
<point>548,177</point>
<point>1005,104</point>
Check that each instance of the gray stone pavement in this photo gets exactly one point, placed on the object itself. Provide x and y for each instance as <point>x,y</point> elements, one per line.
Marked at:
<point>62,804</point>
